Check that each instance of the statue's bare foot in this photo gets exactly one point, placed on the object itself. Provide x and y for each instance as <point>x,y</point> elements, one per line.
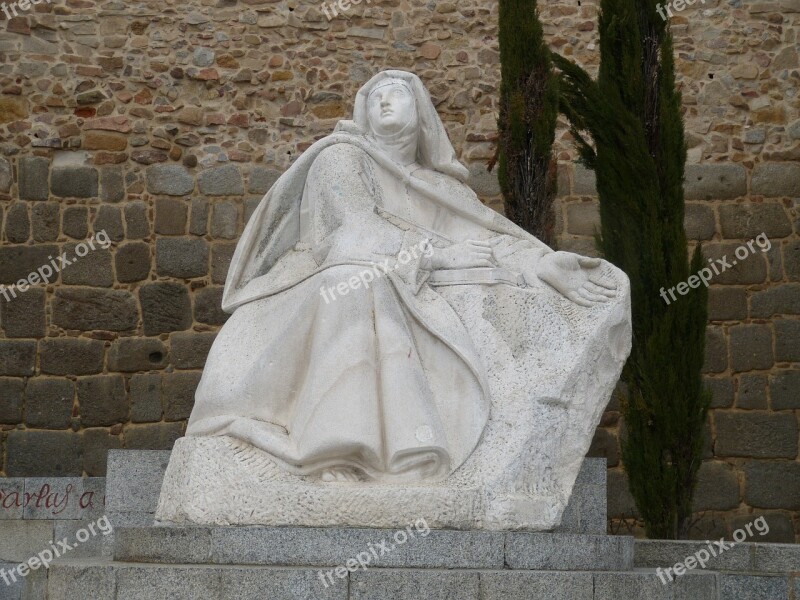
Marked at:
<point>341,474</point>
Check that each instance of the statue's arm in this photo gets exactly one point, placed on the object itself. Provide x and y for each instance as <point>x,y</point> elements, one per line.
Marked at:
<point>345,224</point>
<point>347,227</point>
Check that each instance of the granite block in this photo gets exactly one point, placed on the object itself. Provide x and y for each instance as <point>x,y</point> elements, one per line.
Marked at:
<point>53,497</point>
<point>12,498</point>
<point>753,587</point>
<point>163,544</point>
<point>776,558</point>
<point>168,583</point>
<point>19,540</point>
<point>568,552</point>
<point>13,589</point>
<point>666,553</point>
<point>332,547</point>
<point>76,579</point>
<point>507,585</point>
<point>414,584</point>
<point>134,480</point>
<point>277,584</point>
<point>96,544</point>
<point>630,586</point>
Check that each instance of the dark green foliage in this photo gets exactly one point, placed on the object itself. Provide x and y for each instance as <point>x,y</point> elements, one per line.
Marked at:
<point>527,123</point>
<point>633,115</point>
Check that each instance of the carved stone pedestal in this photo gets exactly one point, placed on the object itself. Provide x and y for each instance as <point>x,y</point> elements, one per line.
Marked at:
<point>220,481</point>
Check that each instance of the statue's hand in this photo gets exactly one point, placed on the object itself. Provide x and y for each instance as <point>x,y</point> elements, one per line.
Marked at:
<point>576,277</point>
<point>463,255</point>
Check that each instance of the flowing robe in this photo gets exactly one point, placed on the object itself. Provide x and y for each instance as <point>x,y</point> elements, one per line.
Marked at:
<point>381,376</point>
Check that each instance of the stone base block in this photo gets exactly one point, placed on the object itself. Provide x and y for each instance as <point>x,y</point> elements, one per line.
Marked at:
<point>135,478</point>
<point>221,481</point>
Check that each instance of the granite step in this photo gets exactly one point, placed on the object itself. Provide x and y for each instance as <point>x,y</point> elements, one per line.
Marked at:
<point>415,547</point>
<point>100,580</point>
<point>727,557</point>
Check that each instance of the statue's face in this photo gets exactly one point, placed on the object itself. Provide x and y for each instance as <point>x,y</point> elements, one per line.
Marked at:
<point>390,108</point>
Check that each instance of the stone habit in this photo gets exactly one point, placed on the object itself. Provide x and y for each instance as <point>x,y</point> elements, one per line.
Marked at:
<point>163,123</point>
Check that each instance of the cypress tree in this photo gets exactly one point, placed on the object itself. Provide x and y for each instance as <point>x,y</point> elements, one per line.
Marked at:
<point>527,120</point>
<point>633,114</point>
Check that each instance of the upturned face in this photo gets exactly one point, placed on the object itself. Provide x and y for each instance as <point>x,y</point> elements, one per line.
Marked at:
<point>390,108</point>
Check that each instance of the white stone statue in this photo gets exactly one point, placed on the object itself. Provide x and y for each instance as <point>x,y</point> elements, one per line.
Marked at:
<point>394,339</point>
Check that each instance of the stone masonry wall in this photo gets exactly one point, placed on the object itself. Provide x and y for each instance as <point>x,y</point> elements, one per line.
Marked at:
<point>163,123</point>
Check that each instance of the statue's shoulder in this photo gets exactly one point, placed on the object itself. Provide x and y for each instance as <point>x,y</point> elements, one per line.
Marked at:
<point>340,155</point>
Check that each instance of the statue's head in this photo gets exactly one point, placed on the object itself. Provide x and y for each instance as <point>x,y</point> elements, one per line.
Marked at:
<point>394,104</point>
<point>391,107</point>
